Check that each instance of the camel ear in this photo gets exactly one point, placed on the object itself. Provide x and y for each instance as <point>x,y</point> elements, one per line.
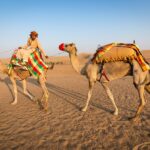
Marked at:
<point>73,44</point>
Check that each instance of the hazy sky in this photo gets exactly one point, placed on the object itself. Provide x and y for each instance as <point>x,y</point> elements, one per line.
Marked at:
<point>84,22</point>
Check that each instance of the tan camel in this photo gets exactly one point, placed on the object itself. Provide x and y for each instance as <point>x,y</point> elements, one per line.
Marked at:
<point>16,74</point>
<point>113,70</point>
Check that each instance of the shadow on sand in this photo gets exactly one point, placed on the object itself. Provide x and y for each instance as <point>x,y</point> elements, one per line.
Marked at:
<point>63,93</point>
<point>19,84</point>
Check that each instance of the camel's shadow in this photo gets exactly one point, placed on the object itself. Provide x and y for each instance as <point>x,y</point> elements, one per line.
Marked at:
<point>76,97</point>
<point>71,97</point>
<point>63,93</point>
<point>8,84</point>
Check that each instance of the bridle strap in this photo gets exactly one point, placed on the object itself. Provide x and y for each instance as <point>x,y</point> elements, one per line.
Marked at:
<point>103,73</point>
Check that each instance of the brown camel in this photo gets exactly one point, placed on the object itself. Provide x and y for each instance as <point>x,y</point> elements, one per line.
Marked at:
<point>16,73</point>
<point>113,70</point>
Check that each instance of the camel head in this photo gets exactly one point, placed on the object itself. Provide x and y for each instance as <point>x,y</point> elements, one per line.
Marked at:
<point>72,51</point>
<point>83,69</point>
<point>69,48</point>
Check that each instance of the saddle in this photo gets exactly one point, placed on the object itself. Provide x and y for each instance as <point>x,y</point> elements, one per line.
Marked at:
<point>120,52</point>
<point>113,53</point>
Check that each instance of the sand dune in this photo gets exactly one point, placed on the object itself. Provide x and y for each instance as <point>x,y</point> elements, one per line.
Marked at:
<point>64,126</point>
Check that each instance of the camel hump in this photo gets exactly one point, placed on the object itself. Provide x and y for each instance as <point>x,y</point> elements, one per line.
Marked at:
<point>119,53</point>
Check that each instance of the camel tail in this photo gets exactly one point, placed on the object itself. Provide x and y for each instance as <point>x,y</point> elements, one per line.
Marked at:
<point>4,69</point>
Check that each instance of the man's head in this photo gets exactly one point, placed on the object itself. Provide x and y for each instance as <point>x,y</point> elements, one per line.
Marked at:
<point>33,35</point>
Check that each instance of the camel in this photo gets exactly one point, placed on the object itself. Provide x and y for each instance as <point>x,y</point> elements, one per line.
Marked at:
<point>24,74</point>
<point>113,70</point>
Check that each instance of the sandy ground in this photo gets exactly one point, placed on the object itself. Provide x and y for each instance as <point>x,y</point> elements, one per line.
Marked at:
<point>64,126</point>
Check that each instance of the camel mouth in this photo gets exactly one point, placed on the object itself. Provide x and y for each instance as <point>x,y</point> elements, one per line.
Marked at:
<point>62,47</point>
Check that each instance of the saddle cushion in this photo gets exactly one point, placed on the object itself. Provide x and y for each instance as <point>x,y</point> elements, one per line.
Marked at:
<point>115,54</point>
<point>120,52</point>
<point>32,63</point>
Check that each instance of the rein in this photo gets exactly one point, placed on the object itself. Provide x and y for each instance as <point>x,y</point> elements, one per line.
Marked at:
<point>103,73</point>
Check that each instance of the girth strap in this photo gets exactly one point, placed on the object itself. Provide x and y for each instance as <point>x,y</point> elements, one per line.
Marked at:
<point>104,74</point>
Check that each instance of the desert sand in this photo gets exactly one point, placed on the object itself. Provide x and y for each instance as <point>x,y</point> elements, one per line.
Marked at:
<point>64,127</point>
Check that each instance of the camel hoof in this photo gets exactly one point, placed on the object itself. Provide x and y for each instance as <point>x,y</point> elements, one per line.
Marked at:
<point>40,104</point>
<point>45,109</point>
<point>83,109</point>
<point>116,113</point>
<point>14,103</point>
<point>141,146</point>
<point>32,98</point>
<point>35,100</point>
<point>134,119</point>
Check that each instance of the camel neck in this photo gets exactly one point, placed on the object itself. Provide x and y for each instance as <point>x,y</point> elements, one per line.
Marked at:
<point>75,62</point>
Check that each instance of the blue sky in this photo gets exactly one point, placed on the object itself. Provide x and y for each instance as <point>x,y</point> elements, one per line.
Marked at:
<point>84,22</point>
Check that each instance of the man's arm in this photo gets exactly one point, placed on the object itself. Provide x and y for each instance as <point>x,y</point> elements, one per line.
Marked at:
<point>41,49</point>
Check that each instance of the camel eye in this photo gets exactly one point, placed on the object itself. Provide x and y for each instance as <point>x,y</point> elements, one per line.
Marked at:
<point>71,44</point>
<point>66,45</point>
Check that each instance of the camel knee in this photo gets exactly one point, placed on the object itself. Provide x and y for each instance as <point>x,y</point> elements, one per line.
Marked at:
<point>135,85</point>
<point>143,103</point>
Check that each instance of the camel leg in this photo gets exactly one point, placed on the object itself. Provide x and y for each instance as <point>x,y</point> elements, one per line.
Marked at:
<point>139,78</point>
<point>110,95</point>
<point>25,91</point>
<point>91,84</point>
<point>15,90</point>
<point>142,100</point>
<point>45,91</point>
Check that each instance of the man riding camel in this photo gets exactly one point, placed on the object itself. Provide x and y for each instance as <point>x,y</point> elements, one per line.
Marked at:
<point>30,56</point>
<point>34,44</point>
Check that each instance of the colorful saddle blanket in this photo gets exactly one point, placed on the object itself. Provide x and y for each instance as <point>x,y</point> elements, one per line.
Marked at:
<point>120,52</point>
<point>34,64</point>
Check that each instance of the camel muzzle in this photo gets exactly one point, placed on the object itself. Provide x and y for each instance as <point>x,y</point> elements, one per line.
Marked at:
<point>62,47</point>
